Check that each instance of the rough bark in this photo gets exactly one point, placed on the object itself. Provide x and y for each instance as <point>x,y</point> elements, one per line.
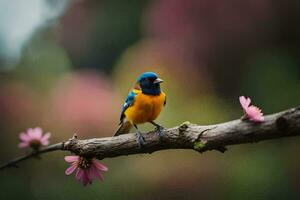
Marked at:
<point>192,136</point>
<point>186,136</point>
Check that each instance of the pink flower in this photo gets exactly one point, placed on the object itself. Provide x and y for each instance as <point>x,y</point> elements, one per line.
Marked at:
<point>87,169</point>
<point>252,113</point>
<point>34,138</point>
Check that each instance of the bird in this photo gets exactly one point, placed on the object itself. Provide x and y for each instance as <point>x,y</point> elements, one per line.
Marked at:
<point>143,104</point>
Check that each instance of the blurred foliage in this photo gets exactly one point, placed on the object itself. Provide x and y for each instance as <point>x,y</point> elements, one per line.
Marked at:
<point>75,71</point>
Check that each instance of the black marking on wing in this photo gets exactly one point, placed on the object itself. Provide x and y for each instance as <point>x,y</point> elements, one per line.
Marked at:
<point>128,102</point>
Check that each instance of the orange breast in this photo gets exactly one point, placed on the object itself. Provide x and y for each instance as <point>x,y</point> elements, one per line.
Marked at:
<point>145,108</point>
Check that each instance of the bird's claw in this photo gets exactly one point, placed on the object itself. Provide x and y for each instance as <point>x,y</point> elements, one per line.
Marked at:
<point>160,131</point>
<point>140,139</point>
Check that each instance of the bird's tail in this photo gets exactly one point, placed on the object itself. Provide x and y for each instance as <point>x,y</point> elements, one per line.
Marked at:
<point>124,128</point>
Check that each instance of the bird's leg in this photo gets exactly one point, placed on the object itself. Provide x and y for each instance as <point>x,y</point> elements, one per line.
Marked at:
<point>140,139</point>
<point>159,129</point>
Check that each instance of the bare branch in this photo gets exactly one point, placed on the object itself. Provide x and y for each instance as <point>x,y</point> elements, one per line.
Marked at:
<point>14,162</point>
<point>185,136</point>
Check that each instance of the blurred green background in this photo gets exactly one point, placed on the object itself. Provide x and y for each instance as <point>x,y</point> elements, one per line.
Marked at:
<point>67,65</point>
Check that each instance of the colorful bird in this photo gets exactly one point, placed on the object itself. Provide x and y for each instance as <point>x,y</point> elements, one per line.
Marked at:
<point>143,104</point>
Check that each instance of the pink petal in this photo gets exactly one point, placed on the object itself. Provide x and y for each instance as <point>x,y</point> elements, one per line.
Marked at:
<point>24,137</point>
<point>96,172</point>
<point>30,133</point>
<point>37,132</point>
<point>87,176</point>
<point>245,102</point>
<point>70,169</point>
<point>44,142</point>
<point>71,158</point>
<point>23,144</point>
<point>258,119</point>
<point>90,174</point>
<point>253,111</point>
<point>45,139</point>
<point>84,177</point>
<point>100,177</point>
<point>46,136</point>
<point>255,114</point>
<point>79,174</point>
<point>99,166</point>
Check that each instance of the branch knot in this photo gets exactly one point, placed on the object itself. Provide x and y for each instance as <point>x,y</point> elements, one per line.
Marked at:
<point>184,126</point>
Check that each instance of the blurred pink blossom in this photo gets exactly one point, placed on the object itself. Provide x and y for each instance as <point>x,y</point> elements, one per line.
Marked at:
<point>34,138</point>
<point>200,27</point>
<point>209,34</point>
<point>252,113</point>
<point>17,99</point>
<point>87,169</point>
<point>84,100</point>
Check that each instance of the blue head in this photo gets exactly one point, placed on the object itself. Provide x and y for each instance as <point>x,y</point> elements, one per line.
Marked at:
<point>149,83</point>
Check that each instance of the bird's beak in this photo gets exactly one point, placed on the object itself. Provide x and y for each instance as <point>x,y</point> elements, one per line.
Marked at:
<point>158,80</point>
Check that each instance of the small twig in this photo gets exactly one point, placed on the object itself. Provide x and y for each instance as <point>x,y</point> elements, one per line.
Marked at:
<point>14,162</point>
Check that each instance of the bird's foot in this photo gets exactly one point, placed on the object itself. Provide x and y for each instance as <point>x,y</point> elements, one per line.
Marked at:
<point>140,139</point>
<point>160,130</point>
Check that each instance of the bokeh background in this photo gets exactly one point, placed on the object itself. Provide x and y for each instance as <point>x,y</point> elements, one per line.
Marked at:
<point>67,65</point>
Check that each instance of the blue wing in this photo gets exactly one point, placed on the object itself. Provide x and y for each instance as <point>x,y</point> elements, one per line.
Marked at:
<point>128,102</point>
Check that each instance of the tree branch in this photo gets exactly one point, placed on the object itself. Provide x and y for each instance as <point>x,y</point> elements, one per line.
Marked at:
<point>185,136</point>
<point>14,162</point>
